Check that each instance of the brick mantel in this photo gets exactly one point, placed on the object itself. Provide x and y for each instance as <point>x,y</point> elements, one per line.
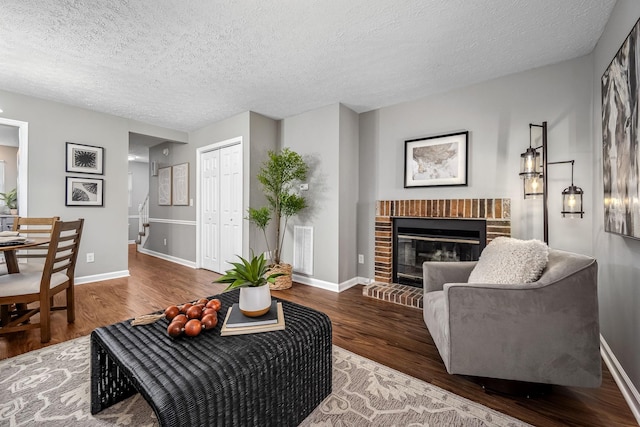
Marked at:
<point>497,213</point>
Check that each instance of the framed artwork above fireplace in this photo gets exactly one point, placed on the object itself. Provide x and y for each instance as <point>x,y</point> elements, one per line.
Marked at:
<point>436,160</point>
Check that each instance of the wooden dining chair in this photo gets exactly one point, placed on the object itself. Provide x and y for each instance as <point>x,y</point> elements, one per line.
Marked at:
<point>34,227</point>
<point>38,288</point>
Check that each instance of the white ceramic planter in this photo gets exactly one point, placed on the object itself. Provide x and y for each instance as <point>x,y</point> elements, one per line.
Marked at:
<point>255,302</point>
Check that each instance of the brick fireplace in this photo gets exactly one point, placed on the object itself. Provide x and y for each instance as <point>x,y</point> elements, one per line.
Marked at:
<point>496,212</point>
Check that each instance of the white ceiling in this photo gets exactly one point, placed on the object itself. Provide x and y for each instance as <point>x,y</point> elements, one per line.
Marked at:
<point>185,64</point>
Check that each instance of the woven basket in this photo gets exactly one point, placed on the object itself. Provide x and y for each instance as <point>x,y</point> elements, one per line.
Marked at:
<point>282,282</point>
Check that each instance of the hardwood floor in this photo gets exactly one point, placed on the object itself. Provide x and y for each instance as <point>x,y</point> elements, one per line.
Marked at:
<point>387,333</point>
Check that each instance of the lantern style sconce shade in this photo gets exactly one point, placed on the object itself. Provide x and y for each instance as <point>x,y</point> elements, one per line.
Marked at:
<point>530,163</point>
<point>533,171</point>
<point>572,202</point>
<point>533,187</point>
<point>572,199</point>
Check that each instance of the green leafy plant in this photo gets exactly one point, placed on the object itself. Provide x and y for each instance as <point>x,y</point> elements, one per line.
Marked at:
<point>278,176</point>
<point>248,273</point>
<point>10,199</point>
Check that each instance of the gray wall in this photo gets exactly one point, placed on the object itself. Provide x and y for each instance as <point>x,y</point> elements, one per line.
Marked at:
<point>368,189</point>
<point>264,137</point>
<point>349,176</point>
<point>315,136</point>
<point>497,115</point>
<point>140,174</point>
<point>328,139</point>
<point>619,273</point>
<point>51,125</point>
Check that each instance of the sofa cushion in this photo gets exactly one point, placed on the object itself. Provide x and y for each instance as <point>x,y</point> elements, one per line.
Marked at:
<point>507,260</point>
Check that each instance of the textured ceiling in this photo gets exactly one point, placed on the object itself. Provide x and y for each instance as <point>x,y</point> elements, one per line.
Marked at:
<point>185,64</point>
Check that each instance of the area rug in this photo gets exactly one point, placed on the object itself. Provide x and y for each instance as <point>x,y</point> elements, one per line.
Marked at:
<point>51,387</point>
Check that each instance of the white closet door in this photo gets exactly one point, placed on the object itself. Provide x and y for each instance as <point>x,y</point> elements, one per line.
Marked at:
<point>230,205</point>
<point>210,214</point>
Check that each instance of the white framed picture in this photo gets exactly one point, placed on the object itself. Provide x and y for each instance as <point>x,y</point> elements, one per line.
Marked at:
<point>85,159</point>
<point>436,160</point>
<point>180,187</point>
<point>82,191</point>
<point>164,186</point>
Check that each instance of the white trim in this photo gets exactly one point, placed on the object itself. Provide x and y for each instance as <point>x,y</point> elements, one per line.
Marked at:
<point>333,287</point>
<point>131,242</point>
<point>166,257</point>
<point>23,170</point>
<point>628,390</point>
<point>199,152</point>
<point>171,221</point>
<point>134,216</point>
<point>100,277</point>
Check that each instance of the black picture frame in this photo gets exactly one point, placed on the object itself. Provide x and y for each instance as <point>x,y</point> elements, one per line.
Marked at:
<point>621,139</point>
<point>83,191</point>
<point>436,161</point>
<point>82,158</point>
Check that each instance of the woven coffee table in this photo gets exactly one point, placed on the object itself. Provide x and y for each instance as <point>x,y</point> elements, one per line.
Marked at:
<point>273,378</point>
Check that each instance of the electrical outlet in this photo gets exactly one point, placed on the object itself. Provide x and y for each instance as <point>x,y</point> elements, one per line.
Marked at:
<point>165,242</point>
<point>90,257</point>
<point>360,259</point>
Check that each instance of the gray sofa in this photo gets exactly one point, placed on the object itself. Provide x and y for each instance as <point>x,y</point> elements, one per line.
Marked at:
<point>541,332</point>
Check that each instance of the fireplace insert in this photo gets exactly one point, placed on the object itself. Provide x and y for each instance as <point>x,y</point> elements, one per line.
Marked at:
<point>416,240</point>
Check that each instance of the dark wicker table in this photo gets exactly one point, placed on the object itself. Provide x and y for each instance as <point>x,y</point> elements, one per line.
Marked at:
<point>273,378</point>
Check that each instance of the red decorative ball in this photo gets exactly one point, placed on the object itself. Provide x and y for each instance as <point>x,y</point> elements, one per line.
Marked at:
<point>193,328</point>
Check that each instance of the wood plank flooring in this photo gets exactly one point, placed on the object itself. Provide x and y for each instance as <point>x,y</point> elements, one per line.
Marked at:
<point>387,333</point>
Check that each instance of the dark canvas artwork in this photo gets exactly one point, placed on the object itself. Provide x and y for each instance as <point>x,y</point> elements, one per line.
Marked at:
<point>620,143</point>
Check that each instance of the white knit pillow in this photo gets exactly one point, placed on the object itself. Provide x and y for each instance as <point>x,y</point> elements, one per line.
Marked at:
<point>507,260</point>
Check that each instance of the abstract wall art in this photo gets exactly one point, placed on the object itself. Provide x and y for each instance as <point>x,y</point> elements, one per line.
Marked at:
<point>620,139</point>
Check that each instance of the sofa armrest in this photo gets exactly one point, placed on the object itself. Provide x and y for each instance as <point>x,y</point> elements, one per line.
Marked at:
<point>437,273</point>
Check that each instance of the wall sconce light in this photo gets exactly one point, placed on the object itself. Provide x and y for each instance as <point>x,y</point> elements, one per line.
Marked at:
<point>533,171</point>
<point>165,152</point>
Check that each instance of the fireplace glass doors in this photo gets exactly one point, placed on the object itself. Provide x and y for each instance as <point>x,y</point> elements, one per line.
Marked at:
<point>416,240</point>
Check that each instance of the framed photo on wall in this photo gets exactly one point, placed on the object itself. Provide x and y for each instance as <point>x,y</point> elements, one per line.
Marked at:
<point>621,139</point>
<point>436,160</point>
<point>180,192</point>
<point>164,186</point>
<point>84,159</point>
<point>81,191</point>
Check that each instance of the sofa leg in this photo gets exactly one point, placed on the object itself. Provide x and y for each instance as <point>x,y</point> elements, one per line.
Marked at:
<point>513,388</point>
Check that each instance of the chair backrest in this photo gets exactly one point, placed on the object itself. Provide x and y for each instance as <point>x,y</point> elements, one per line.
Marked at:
<point>34,227</point>
<point>63,250</point>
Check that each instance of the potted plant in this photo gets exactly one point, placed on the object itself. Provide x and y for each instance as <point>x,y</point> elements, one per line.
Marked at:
<point>11,200</point>
<point>253,280</point>
<point>278,176</point>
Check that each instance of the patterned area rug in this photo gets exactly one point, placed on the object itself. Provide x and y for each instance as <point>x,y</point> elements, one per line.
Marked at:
<point>51,387</point>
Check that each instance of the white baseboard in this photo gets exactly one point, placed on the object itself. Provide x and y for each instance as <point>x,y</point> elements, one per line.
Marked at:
<point>166,257</point>
<point>628,390</point>
<point>329,286</point>
<point>100,277</point>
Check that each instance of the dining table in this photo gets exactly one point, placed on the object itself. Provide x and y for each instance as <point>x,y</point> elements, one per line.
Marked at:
<point>11,259</point>
<point>9,249</point>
